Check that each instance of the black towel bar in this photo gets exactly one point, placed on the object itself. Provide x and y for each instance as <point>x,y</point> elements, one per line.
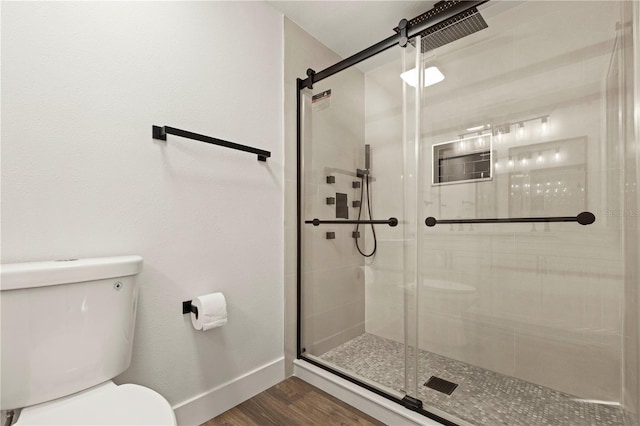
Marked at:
<point>161,133</point>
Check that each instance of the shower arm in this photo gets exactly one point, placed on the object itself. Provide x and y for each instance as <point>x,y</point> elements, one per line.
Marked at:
<point>392,221</point>
<point>584,218</point>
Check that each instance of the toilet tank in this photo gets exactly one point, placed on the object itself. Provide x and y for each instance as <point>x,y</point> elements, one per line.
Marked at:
<point>65,326</point>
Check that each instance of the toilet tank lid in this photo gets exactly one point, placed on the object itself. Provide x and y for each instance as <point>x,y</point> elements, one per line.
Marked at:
<point>15,276</point>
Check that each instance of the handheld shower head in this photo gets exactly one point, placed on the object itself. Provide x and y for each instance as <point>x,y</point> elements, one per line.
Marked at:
<point>367,162</point>
<point>367,157</point>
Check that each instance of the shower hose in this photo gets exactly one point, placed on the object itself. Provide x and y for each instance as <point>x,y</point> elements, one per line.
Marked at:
<point>373,230</point>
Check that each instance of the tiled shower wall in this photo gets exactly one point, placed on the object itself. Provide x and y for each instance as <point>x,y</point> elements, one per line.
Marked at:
<point>333,289</point>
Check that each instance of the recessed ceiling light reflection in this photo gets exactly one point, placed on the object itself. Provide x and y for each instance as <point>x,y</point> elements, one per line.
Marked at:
<point>432,75</point>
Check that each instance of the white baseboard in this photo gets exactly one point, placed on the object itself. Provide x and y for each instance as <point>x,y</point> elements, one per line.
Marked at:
<point>207,405</point>
<point>376,406</point>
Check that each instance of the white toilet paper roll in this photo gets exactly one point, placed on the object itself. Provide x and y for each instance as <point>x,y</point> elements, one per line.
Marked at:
<point>212,311</point>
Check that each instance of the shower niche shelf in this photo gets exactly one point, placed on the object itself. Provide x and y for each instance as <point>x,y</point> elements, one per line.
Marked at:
<point>463,160</point>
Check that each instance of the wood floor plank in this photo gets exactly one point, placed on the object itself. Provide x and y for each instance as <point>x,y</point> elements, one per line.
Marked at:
<point>293,402</point>
<point>267,410</point>
<point>324,408</point>
<point>233,417</point>
<point>289,391</point>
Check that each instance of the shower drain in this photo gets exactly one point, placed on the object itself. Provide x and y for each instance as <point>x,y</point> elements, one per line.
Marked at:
<point>441,385</point>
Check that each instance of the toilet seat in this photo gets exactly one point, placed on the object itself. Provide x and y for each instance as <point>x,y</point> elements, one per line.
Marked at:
<point>104,404</point>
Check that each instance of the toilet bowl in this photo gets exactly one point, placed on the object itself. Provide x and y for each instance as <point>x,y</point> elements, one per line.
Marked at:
<point>104,404</point>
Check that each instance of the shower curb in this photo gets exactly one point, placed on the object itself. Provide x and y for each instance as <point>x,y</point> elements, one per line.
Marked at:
<point>368,402</point>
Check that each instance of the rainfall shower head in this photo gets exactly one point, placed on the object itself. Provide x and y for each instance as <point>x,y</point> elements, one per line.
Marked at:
<point>454,28</point>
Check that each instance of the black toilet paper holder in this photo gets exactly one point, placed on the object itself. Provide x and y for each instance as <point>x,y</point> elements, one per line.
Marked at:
<point>188,308</point>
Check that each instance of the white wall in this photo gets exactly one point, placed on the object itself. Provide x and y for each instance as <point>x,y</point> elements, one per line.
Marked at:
<point>82,84</point>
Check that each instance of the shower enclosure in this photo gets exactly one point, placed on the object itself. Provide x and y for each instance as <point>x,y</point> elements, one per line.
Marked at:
<point>501,173</point>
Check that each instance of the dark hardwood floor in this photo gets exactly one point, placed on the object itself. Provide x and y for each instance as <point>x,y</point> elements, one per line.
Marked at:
<point>293,402</point>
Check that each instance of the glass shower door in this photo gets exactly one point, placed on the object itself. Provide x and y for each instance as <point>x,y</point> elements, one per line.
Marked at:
<point>521,321</point>
<point>359,164</point>
<point>494,298</point>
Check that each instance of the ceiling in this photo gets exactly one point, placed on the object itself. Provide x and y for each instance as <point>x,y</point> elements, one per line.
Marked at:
<point>347,27</point>
<point>530,60</point>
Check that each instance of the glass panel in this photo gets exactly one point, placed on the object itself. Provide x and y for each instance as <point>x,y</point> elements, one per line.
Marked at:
<point>412,95</point>
<point>527,318</point>
<point>353,306</point>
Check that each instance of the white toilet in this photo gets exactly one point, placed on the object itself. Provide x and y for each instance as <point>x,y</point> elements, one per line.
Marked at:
<point>67,330</point>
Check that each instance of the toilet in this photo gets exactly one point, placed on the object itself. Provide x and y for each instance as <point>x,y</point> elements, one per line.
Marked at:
<point>67,330</point>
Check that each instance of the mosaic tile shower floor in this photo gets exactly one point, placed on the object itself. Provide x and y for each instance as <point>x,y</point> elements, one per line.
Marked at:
<point>482,397</point>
